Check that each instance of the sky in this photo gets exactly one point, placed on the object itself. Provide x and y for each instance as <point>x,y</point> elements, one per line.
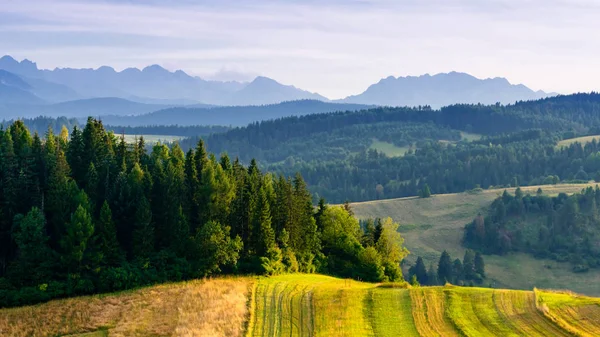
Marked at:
<point>334,47</point>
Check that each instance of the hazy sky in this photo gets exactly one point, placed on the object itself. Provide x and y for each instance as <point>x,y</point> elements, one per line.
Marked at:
<point>333,47</point>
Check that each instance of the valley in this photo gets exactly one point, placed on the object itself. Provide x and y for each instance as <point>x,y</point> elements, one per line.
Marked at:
<point>432,225</point>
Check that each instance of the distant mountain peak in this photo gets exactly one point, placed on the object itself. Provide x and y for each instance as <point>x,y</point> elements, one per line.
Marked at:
<point>155,68</point>
<point>8,58</point>
<point>443,89</point>
<point>106,69</point>
<point>263,79</point>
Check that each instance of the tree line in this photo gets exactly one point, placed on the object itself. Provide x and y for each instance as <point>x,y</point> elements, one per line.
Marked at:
<point>563,228</point>
<point>86,212</point>
<point>470,271</point>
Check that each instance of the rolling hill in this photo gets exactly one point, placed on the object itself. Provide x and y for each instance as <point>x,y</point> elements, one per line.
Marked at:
<point>230,115</point>
<point>309,305</point>
<point>78,108</point>
<point>435,224</point>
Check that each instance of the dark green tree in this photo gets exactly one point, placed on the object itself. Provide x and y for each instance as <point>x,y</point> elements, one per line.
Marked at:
<point>479,265</point>
<point>444,271</point>
<point>421,271</point>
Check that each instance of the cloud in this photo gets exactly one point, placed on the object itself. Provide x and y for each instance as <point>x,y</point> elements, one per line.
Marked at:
<point>333,47</point>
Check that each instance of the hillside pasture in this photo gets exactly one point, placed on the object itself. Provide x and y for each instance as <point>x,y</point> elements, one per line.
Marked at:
<point>308,305</point>
<point>582,140</point>
<point>215,307</point>
<point>432,225</point>
<point>152,139</point>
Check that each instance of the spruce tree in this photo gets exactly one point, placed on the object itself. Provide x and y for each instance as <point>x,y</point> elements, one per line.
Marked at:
<point>75,241</point>
<point>106,237</point>
<point>143,234</point>
<point>421,271</point>
<point>432,278</point>
<point>479,265</point>
<point>457,271</point>
<point>469,264</point>
<point>33,265</point>
<point>444,272</point>
<point>265,240</point>
<point>180,234</point>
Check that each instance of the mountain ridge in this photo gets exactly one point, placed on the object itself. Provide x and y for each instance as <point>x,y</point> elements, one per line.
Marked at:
<point>154,82</point>
<point>443,89</point>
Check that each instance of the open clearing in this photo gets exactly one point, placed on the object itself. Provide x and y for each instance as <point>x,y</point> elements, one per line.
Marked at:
<point>392,150</point>
<point>435,224</point>
<point>389,149</point>
<point>581,140</point>
<point>153,139</point>
<point>308,305</point>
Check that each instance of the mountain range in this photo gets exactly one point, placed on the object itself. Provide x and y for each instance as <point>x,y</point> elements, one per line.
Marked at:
<point>26,90</point>
<point>152,84</point>
<point>444,89</point>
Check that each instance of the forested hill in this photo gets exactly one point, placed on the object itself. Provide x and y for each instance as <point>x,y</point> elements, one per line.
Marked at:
<point>90,213</point>
<point>338,154</point>
<point>230,115</point>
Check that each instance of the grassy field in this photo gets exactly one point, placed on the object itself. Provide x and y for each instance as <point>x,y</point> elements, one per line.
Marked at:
<point>431,225</point>
<point>199,308</point>
<point>582,140</point>
<point>316,305</point>
<point>309,305</point>
<point>389,149</point>
<point>392,150</point>
<point>469,136</point>
<point>153,139</point>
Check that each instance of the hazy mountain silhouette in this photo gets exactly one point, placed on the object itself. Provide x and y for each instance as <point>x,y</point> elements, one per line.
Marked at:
<point>155,86</point>
<point>78,108</point>
<point>230,115</point>
<point>264,90</point>
<point>14,90</point>
<point>443,89</point>
<point>153,83</point>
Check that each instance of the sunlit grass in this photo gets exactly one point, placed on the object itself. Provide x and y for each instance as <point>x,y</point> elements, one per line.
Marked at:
<point>152,139</point>
<point>308,305</point>
<point>197,308</point>
<point>581,140</point>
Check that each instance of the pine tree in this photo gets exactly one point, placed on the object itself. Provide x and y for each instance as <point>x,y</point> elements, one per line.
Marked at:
<point>75,156</point>
<point>320,211</point>
<point>421,271</point>
<point>143,235</point>
<point>368,239</point>
<point>8,192</point>
<point>265,240</point>
<point>181,234</point>
<point>425,191</point>
<point>33,265</point>
<point>469,264</point>
<point>192,188</point>
<point>378,229</point>
<point>75,241</point>
<point>106,237</point>
<point>444,272</point>
<point>457,271</point>
<point>432,278</point>
<point>479,265</point>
